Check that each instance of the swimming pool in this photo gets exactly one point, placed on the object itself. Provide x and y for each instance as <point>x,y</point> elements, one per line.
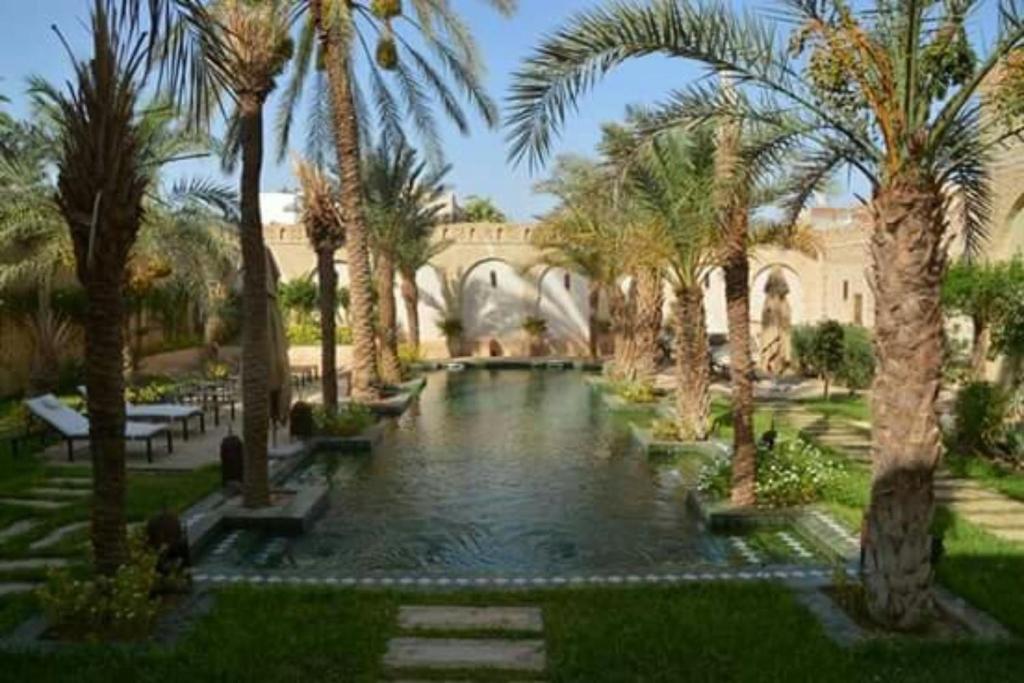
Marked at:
<point>492,472</point>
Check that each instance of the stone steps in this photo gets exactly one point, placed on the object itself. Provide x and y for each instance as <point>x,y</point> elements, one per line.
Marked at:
<point>32,563</point>
<point>51,492</point>
<point>14,587</point>
<point>57,535</point>
<point>34,503</point>
<point>454,649</point>
<point>22,526</point>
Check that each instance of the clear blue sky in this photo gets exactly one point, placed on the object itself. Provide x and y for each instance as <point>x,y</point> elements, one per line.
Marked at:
<point>28,46</point>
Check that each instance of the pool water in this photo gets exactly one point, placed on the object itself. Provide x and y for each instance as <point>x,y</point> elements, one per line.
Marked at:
<point>494,471</point>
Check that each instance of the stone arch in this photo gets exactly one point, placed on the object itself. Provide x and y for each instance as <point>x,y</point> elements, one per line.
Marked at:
<point>495,300</point>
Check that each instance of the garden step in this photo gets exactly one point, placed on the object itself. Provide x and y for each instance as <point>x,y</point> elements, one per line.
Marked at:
<point>11,587</point>
<point>58,492</point>
<point>459,653</point>
<point>18,528</point>
<point>471,618</point>
<point>57,535</point>
<point>72,482</point>
<point>989,507</point>
<point>33,563</point>
<point>34,503</point>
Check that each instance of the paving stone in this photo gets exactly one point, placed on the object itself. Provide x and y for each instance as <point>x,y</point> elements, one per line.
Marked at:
<point>70,481</point>
<point>32,563</point>
<point>458,653</point>
<point>58,492</point>
<point>18,528</point>
<point>443,618</point>
<point>35,504</point>
<point>17,587</point>
<point>57,535</point>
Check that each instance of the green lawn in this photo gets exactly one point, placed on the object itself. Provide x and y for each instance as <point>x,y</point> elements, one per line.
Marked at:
<point>716,632</point>
<point>989,474</point>
<point>839,405</point>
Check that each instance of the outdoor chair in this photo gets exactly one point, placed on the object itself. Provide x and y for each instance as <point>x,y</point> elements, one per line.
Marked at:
<point>161,412</point>
<point>72,426</point>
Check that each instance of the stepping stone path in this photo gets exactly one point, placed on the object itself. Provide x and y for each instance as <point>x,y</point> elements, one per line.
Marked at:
<point>17,529</point>
<point>836,433</point>
<point>795,546</point>
<point>32,563</point>
<point>448,652</point>
<point>35,504</point>
<point>73,482</point>
<point>745,551</point>
<point>998,514</point>
<point>57,535</point>
<point>58,493</point>
<point>16,587</point>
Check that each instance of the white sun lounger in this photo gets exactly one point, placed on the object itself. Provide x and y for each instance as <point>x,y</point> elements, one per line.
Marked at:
<point>162,412</point>
<point>72,426</point>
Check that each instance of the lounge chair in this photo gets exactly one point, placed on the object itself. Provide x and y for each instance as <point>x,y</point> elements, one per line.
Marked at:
<point>161,412</point>
<point>72,426</point>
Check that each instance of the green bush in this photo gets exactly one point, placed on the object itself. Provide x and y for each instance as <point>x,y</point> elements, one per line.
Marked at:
<point>980,410</point>
<point>217,370</point>
<point>451,328</point>
<point>858,367</point>
<point>121,607</point>
<point>635,392</point>
<point>343,335</point>
<point>155,391</point>
<point>665,430</point>
<point>795,472</point>
<point>535,326</point>
<point>348,420</point>
<point>304,334</point>
<point>299,297</point>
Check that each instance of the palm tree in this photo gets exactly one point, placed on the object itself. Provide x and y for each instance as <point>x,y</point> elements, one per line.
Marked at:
<point>417,249</point>
<point>674,183</point>
<point>402,196</point>
<point>244,46</point>
<point>893,92</point>
<point>482,210</point>
<point>319,214</point>
<point>335,34</point>
<point>102,162</point>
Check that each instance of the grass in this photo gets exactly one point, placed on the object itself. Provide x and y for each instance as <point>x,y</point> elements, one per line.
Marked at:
<point>989,474</point>
<point>715,632</point>
<point>841,405</point>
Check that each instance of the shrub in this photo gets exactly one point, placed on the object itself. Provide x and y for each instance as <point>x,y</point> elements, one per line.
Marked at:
<point>635,392</point>
<point>151,392</point>
<point>304,334</point>
<point>450,327</point>
<point>121,607</point>
<point>535,326</point>
<point>217,370</point>
<point>70,376</point>
<point>795,472</point>
<point>349,420</point>
<point>301,420</point>
<point>858,367</point>
<point>980,409</point>
<point>665,430</point>
<point>343,335</point>
<point>802,341</point>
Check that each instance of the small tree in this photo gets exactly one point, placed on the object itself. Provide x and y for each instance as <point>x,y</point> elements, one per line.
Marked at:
<point>482,210</point>
<point>858,367</point>
<point>828,351</point>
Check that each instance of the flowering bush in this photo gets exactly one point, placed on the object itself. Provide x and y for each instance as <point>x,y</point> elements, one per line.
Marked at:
<point>795,472</point>
<point>121,607</point>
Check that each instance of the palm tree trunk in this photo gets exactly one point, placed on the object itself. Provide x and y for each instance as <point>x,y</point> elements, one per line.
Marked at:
<point>104,379</point>
<point>390,366</point>
<point>328,278</point>
<point>346,135</point>
<point>411,297</point>
<point>693,373</point>
<point>979,348</point>
<point>909,261</point>
<point>737,303</point>
<point>622,315</point>
<point>650,300</point>
<point>255,333</point>
<point>593,319</point>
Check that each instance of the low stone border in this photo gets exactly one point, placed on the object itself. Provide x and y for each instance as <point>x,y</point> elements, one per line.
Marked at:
<point>825,533</point>
<point>170,628</point>
<point>796,575</point>
<point>645,439</point>
<point>295,517</point>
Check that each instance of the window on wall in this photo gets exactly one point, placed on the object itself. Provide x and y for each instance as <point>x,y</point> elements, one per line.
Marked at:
<point>846,290</point>
<point>567,281</point>
<point>494,279</point>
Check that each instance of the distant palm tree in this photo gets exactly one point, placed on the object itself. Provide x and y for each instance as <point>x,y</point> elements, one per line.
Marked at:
<point>402,204</point>
<point>335,34</point>
<point>243,47</point>
<point>482,210</point>
<point>673,182</point>
<point>320,215</point>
